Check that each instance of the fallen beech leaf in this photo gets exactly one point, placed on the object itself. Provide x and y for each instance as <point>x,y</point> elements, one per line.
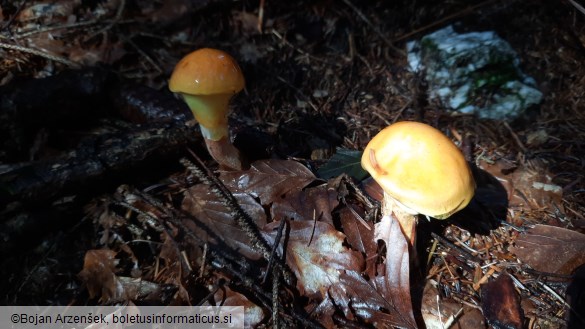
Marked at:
<point>360,237</point>
<point>207,208</point>
<point>551,249</point>
<point>370,302</point>
<point>526,186</point>
<point>316,254</point>
<point>253,314</point>
<point>314,203</point>
<point>395,284</point>
<point>372,189</point>
<point>500,303</point>
<point>269,180</point>
<point>324,312</point>
<point>385,300</point>
<point>98,274</point>
<point>139,289</point>
<point>171,255</point>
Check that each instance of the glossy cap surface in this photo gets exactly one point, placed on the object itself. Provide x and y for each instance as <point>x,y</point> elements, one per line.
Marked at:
<point>418,166</point>
<point>207,72</point>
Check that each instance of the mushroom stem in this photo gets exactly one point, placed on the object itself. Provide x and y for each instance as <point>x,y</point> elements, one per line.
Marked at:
<point>224,152</point>
<point>406,219</point>
<point>211,111</point>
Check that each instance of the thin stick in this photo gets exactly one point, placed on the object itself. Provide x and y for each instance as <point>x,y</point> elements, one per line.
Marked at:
<point>260,16</point>
<point>273,254</point>
<point>516,138</point>
<point>275,301</point>
<point>461,251</point>
<point>53,28</point>
<point>373,27</point>
<point>40,53</point>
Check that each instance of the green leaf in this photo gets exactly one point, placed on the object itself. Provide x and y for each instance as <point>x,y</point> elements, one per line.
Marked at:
<point>344,161</point>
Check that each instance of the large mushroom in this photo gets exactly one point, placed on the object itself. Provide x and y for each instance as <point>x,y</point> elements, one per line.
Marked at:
<point>207,79</point>
<point>421,172</point>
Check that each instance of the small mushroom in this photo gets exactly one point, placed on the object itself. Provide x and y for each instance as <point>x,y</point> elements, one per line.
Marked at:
<point>421,172</point>
<point>207,79</point>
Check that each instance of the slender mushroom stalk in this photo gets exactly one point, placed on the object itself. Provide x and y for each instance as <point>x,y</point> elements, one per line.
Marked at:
<point>207,79</point>
<point>421,172</point>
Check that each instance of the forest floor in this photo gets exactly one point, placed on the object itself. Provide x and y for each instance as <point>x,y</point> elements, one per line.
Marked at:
<point>321,77</point>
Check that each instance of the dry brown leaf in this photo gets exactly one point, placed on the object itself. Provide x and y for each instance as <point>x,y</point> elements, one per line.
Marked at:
<point>372,189</point>
<point>500,303</point>
<point>269,180</point>
<point>138,289</point>
<point>248,22</point>
<point>106,53</point>
<point>310,204</point>
<point>358,297</point>
<point>98,274</point>
<point>48,12</point>
<point>207,208</point>
<point>316,254</point>
<point>532,187</point>
<point>324,312</point>
<point>253,314</point>
<point>551,249</point>
<point>50,42</point>
<point>395,284</point>
<point>360,237</point>
<point>170,253</point>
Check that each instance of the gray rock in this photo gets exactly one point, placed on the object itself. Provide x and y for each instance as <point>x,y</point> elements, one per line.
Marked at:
<point>474,73</point>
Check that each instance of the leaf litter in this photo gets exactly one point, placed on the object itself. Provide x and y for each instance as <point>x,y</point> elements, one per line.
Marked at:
<point>538,161</point>
<point>344,273</point>
<point>325,265</point>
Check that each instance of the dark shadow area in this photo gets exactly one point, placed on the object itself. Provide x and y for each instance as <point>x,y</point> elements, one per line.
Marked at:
<point>576,300</point>
<point>486,211</point>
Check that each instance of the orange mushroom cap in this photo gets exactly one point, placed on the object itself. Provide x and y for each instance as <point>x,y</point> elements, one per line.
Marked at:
<point>420,168</point>
<point>207,71</point>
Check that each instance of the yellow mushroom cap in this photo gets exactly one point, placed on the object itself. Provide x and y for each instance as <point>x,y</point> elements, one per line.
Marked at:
<point>207,71</point>
<point>421,168</point>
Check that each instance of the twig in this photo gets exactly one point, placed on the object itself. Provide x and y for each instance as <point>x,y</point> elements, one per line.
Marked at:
<point>30,32</point>
<point>443,20</point>
<point>461,251</point>
<point>248,283</point>
<point>275,302</point>
<point>260,16</point>
<point>374,28</point>
<point>452,318</point>
<point>516,138</point>
<point>554,294</point>
<point>40,53</point>
<point>273,254</point>
<point>244,221</point>
<point>143,54</point>
<point>302,52</point>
